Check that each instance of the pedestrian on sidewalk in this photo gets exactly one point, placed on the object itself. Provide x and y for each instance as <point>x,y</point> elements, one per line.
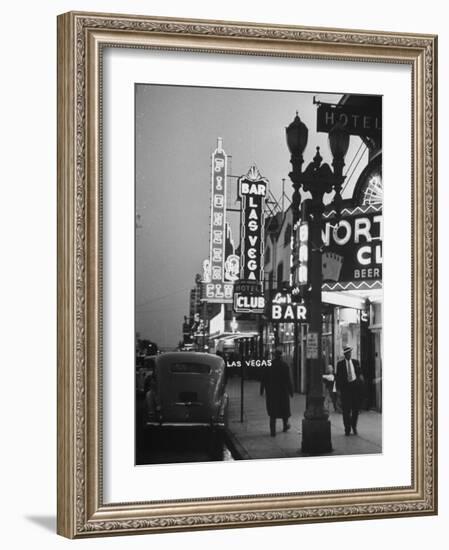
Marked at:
<point>276,383</point>
<point>330,388</point>
<point>349,381</point>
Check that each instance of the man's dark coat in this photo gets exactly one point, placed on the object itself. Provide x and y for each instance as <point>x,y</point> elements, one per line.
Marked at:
<point>278,388</point>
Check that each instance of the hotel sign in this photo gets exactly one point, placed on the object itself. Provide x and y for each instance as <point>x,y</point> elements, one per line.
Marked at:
<point>250,288</point>
<point>355,120</point>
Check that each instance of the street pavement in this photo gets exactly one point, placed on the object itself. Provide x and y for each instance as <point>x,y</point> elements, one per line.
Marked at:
<point>251,438</point>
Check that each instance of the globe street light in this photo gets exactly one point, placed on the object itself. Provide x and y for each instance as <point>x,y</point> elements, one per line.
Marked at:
<point>318,179</point>
<point>297,135</point>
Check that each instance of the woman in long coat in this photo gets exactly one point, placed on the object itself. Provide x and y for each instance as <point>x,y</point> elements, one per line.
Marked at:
<point>276,383</point>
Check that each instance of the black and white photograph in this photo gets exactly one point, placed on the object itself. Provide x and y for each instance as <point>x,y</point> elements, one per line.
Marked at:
<point>258,276</point>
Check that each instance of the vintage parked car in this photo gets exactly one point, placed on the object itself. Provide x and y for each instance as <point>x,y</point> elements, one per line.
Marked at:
<point>187,390</point>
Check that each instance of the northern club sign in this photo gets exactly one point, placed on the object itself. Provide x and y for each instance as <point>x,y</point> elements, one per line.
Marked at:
<point>352,248</point>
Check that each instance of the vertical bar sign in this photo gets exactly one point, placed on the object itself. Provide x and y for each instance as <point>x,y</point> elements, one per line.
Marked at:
<point>253,191</point>
<point>218,214</point>
<point>303,253</point>
<point>299,260</point>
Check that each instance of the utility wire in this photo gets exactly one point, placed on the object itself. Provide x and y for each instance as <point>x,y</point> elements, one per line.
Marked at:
<point>177,308</point>
<point>162,297</point>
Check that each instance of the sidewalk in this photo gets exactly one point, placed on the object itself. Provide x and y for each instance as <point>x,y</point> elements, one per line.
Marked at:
<point>251,438</point>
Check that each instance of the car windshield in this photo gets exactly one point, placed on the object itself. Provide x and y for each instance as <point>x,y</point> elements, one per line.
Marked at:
<point>190,368</point>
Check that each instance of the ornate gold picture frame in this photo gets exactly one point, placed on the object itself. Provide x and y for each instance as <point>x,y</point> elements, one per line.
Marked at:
<point>83,510</point>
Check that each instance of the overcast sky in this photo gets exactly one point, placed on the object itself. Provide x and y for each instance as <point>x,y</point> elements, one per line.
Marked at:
<point>176,132</point>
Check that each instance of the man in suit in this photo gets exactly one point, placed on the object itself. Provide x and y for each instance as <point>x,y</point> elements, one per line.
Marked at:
<point>349,381</point>
<point>278,388</point>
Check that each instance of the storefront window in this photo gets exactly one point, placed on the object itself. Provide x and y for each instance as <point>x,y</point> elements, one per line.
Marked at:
<point>347,332</point>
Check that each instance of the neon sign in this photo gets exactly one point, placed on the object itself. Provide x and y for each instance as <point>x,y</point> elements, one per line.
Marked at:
<point>217,292</point>
<point>248,292</point>
<point>249,304</point>
<point>219,272</point>
<point>218,213</point>
<point>282,309</point>
<point>353,248</point>
<point>252,190</point>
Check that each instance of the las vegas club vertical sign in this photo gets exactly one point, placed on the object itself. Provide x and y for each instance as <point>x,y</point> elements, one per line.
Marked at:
<point>215,288</point>
<point>253,190</point>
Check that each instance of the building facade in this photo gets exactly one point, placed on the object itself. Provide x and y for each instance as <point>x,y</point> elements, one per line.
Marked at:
<point>352,293</point>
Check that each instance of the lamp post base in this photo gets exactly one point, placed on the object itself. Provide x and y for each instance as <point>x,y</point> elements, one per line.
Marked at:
<point>316,436</point>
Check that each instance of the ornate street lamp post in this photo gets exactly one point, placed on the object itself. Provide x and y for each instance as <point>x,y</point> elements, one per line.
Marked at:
<point>317,179</point>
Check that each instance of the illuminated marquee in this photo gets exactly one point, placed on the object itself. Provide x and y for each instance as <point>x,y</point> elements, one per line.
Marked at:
<point>219,270</point>
<point>252,190</point>
<point>217,292</point>
<point>218,213</point>
<point>300,256</point>
<point>248,304</point>
<point>282,309</point>
<point>248,297</point>
<point>353,248</point>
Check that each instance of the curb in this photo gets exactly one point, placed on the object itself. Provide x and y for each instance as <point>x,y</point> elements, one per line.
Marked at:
<point>237,450</point>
